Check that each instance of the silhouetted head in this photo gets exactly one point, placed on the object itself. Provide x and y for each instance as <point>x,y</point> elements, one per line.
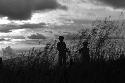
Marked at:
<point>85,43</point>
<point>61,38</point>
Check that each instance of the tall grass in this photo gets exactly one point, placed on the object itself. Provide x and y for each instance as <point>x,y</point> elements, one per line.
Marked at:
<point>105,37</point>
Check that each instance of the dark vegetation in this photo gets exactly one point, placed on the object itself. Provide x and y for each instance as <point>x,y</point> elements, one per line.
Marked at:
<point>106,64</point>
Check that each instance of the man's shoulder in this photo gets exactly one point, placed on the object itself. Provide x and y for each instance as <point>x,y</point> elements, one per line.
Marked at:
<point>64,42</point>
<point>61,43</point>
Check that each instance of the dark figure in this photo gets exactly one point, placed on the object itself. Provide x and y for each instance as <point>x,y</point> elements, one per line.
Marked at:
<point>61,47</point>
<point>0,62</point>
<point>84,51</point>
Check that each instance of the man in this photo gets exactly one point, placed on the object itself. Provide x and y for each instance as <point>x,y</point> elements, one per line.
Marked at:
<point>61,47</point>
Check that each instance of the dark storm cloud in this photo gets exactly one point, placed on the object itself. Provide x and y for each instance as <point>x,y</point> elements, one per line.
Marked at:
<point>22,9</point>
<point>8,28</point>
<point>2,39</point>
<point>5,31</point>
<point>37,36</point>
<point>114,3</point>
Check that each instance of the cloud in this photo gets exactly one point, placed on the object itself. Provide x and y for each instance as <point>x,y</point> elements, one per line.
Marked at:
<point>71,36</point>
<point>11,37</point>
<point>37,36</point>
<point>17,37</point>
<point>2,39</point>
<point>22,9</point>
<point>32,26</point>
<point>8,28</point>
<point>113,3</point>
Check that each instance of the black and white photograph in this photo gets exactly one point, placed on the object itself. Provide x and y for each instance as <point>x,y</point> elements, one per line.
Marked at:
<point>62,41</point>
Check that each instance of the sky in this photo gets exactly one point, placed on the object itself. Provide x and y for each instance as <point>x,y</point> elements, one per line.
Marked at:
<point>23,22</point>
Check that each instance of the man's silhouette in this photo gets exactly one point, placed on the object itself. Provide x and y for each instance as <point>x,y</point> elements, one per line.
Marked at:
<point>0,62</point>
<point>61,47</point>
<point>84,51</point>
